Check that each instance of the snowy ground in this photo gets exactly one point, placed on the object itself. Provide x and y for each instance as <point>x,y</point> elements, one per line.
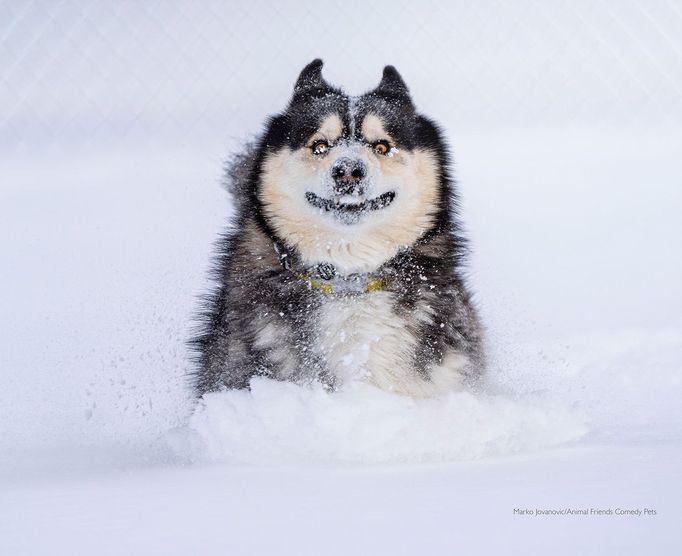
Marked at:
<point>99,281</point>
<point>427,509</point>
<point>573,206</point>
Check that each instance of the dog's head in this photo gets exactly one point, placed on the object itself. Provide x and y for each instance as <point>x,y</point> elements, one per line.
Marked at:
<point>350,180</point>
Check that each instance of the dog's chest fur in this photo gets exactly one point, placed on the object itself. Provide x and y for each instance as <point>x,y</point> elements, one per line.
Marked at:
<point>361,337</point>
<point>416,336</point>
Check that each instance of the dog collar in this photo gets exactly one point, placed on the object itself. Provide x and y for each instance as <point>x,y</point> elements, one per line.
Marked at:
<point>324,277</point>
<point>357,283</point>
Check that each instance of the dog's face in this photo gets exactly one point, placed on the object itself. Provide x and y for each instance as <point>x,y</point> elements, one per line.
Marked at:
<point>351,180</point>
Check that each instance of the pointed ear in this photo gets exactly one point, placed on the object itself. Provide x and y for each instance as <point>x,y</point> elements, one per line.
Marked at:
<point>392,83</point>
<point>310,77</point>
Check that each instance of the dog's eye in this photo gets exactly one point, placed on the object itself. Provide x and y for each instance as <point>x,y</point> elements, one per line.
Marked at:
<point>319,147</point>
<point>381,147</point>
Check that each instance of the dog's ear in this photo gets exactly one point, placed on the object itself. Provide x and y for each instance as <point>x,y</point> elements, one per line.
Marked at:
<point>310,77</point>
<point>392,83</point>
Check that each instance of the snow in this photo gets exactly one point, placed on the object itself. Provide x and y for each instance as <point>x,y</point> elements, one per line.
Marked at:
<point>278,423</point>
<point>110,202</point>
<point>432,509</point>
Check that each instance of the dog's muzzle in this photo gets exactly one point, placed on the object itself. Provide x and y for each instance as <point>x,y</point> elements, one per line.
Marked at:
<point>348,201</point>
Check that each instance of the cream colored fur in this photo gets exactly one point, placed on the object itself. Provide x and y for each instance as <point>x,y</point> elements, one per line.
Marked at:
<point>379,235</point>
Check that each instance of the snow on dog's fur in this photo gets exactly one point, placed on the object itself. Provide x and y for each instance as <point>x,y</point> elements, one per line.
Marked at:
<point>344,260</point>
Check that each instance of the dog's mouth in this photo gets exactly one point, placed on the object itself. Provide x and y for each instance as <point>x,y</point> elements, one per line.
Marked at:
<point>350,205</point>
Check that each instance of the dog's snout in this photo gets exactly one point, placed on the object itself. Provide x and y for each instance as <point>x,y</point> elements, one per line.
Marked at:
<point>347,174</point>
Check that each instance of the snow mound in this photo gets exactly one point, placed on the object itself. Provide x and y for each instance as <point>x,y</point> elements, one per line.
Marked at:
<point>282,423</point>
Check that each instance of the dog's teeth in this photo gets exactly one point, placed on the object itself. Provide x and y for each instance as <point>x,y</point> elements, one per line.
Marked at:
<point>349,200</point>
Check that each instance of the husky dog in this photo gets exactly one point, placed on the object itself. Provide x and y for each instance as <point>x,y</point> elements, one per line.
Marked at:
<point>344,259</point>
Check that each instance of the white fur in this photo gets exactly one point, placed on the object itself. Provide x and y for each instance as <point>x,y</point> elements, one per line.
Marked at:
<point>449,375</point>
<point>362,339</point>
<point>272,339</point>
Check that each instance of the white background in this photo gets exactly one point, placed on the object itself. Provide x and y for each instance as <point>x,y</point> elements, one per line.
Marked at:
<point>115,119</point>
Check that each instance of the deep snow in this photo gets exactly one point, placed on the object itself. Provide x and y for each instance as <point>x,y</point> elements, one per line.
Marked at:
<point>101,274</point>
<point>277,423</point>
<point>564,121</point>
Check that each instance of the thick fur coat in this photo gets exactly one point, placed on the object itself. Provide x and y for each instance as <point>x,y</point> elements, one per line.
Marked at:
<point>344,260</point>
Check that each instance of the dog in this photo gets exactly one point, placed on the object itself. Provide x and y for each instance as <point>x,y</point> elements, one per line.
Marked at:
<point>344,260</point>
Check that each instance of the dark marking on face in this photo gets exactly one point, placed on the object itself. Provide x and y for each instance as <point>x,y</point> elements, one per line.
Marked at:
<point>314,101</point>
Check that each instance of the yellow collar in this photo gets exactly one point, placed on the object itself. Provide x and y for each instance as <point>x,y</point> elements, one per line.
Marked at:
<point>330,282</point>
<point>357,284</point>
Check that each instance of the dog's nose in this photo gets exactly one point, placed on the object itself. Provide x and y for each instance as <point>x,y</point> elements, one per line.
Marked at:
<point>347,174</point>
